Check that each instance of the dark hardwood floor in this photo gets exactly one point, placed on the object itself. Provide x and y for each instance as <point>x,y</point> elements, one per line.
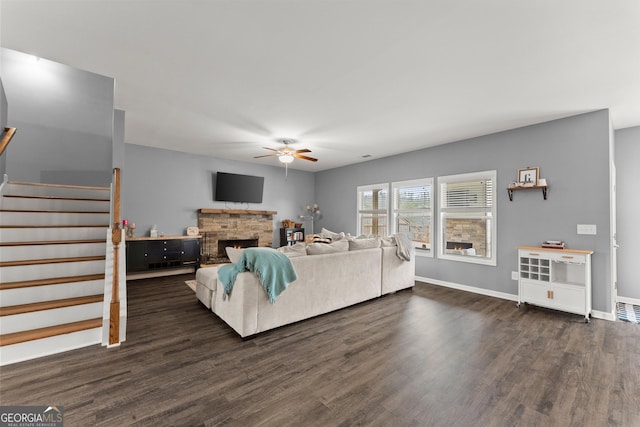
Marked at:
<point>428,357</point>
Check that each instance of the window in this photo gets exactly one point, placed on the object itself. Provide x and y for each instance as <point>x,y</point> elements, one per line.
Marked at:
<point>412,211</point>
<point>467,215</point>
<point>373,209</point>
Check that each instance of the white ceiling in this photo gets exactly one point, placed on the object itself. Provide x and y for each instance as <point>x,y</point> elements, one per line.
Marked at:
<point>224,78</point>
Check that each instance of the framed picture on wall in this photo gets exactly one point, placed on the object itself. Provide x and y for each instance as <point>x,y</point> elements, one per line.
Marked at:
<point>529,176</point>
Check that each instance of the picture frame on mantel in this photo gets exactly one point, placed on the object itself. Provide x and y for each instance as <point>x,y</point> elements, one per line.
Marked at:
<point>529,176</point>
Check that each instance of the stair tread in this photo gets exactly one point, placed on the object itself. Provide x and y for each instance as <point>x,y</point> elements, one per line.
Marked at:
<point>51,304</point>
<point>40,184</point>
<point>49,331</point>
<point>82,199</point>
<point>52,260</point>
<point>51,281</point>
<point>52,242</point>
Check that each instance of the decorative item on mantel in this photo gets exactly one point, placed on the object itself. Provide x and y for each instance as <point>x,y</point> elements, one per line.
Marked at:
<point>128,227</point>
<point>313,213</point>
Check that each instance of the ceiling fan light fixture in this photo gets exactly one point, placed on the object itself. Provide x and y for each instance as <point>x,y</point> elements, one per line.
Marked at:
<point>285,158</point>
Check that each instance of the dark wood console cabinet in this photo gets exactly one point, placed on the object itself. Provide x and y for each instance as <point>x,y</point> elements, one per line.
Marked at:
<point>156,254</point>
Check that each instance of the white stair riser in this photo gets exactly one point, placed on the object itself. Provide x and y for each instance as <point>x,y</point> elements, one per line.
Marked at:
<point>41,190</point>
<point>47,271</point>
<point>38,348</point>
<point>69,250</point>
<point>45,318</point>
<point>53,218</point>
<point>46,234</point>
<point>32,294</point>
<point>54,205</point>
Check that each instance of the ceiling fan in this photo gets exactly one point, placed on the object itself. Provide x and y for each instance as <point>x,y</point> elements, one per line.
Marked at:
<point>287,154</point>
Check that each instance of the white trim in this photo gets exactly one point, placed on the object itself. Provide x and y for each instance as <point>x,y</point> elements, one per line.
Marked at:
<point>467,288</point>
<point>443,213</point>
<point>428,182</point>
<point>603,315</point>
<point>625,300</point>
<point>496,294</point>
<point>424,253</point>
<point>362,188</point>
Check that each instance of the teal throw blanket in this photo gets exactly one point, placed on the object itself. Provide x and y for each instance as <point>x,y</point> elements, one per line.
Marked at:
<point>274,270</point>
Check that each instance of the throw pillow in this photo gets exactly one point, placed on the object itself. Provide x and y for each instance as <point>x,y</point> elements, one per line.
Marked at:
<point>299,249</point>
<point>331,235</point>
<point>358,244</point>
<point>320,239</point>
<point>388,241</point>
<point>233,253</point>
<point>331,248</point>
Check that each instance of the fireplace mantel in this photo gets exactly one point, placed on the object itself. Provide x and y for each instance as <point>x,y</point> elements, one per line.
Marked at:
<point>235,211</point>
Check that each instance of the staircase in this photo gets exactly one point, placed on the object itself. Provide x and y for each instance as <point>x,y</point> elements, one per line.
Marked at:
<point>53,245</point>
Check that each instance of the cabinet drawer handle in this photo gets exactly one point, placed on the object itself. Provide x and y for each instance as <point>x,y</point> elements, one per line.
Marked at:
<point>533,254</point>
<point>567,257</point>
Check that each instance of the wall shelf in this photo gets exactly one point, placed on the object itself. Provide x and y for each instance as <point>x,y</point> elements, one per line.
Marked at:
<point>510,190</point>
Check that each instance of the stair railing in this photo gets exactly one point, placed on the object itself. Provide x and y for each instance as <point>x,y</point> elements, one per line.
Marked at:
<point>116,238</point>
<point>6,138</point>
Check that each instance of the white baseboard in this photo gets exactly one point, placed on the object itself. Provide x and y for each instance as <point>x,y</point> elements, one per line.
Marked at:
<point>634,301</point>
<point>487,292</point>
<point>594,313</point>
<point>603,315</point>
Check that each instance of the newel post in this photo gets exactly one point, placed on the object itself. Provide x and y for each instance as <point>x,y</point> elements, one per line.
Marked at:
<point>116,238</point>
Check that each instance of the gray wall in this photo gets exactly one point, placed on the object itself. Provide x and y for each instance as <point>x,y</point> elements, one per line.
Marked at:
<point>627,158</point>
<point>573,155</point>
<point>64,118</point>
<point>167,188</point>
<point>3,123</point>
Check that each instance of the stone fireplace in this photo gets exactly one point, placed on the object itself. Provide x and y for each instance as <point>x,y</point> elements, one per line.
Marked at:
<point>233,227</point>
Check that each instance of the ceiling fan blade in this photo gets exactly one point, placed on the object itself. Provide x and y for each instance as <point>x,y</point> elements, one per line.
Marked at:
<point>272,149</point>
<point>300,156</point>
<point>304,150</point>
<point>266,155</point>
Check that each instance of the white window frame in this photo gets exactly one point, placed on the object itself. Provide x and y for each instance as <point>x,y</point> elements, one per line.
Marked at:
<point>421,251</point>
<point>468,212</point>
<point>362,189</point>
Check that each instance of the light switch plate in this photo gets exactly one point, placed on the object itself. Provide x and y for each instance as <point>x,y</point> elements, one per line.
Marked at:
<point>587,229</point>
<point>514,275</point>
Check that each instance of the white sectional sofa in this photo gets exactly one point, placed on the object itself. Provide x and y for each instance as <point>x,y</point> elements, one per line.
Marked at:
<point>325,283</point>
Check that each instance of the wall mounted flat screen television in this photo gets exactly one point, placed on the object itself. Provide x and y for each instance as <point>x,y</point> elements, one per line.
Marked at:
<point>232,187</point>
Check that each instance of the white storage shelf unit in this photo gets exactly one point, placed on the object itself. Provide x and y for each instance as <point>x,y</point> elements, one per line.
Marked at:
<point>555,278</point>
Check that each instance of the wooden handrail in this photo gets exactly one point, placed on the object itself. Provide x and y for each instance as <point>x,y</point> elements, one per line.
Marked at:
<point>116,238</point>
<point>6,138</point>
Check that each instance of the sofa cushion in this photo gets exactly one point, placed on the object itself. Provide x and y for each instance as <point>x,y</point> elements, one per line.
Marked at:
<point>330,248</point>
<point>358,244</point>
